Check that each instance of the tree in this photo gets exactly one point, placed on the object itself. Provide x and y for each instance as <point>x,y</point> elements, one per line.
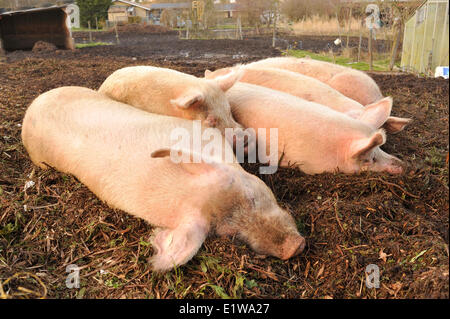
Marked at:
<point>256,11</point>
<point>300,9</point>
<point>91,9</point>
<point>209,14</point>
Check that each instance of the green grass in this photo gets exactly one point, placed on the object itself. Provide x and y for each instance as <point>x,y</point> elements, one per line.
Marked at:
<point>378,65</point>
<point>229,27</point>
<point>86,29</point>
<point>91,44</point>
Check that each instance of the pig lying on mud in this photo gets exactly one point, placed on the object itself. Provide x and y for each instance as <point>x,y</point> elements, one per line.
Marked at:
<point>312,136</point>
<point>310,89</point>
<point>169,92</point>
<point>354,84</point>
<point>122,154</point>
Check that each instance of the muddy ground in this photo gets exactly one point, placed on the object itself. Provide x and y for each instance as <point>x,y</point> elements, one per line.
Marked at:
<point>161,45</point>
<point>399,223</point>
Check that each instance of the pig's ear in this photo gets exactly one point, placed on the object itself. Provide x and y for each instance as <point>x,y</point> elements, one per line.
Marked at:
<point>217,73</point>
<point>228,80</point>
<point>207,73</point>
<point>207,164</point>
<point>396,124</point>
<point>163,152</point>
<point>376,114</point>
<point>362,147</point>
<point>188,100</point>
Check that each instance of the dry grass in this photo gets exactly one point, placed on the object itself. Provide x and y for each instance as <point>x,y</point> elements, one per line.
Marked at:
<point>320,26</point>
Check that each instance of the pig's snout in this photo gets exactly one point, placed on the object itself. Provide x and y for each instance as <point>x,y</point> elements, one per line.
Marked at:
<point>293,246</point>
<point>211,121</point>
<point>396,166</point>
<point>395,170</point>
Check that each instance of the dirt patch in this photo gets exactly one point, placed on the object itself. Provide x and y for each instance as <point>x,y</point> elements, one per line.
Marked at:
<point>164,48</point>
<point>318,44</point>
<point>139,29</point>
<point>399,223</point>
<point>170,46</point>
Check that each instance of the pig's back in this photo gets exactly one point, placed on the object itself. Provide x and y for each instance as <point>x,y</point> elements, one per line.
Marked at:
<point>280,104</point>
<point>300,85</point>
<point>73,118</point>
<point>107,145</point>
<point>323,71</point>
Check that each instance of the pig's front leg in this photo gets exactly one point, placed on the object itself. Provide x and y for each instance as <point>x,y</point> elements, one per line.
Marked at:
<point>175,247</point>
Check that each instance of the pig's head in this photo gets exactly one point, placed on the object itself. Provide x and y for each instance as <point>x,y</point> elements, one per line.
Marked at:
<point>207,102</point>
<point>363,153</point>
<point>223,197</point>
<point>358,148</point>
<point>253,215</point>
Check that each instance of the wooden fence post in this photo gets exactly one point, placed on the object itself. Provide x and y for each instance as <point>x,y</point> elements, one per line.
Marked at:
<point>238,28</point>
<point>117,33</point>
<point>370,49</point>
<point>275,25</point>
<point>360,42</point>
<point>396,45</point>
<point>349,24</point>
<point>90,33</point>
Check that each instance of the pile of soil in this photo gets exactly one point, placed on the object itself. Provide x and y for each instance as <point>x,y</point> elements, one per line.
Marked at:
<point>42,46</point>
<point>143,29</point>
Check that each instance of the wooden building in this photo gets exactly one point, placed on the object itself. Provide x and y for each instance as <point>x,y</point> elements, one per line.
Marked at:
<point>21,29</point>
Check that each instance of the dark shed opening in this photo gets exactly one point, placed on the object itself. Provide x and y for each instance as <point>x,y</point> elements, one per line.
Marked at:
<point>20,30</point>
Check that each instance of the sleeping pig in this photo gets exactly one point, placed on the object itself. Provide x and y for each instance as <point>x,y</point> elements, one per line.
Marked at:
<point>125,156</point>
<point>312,136</point>
<point>169,92</point>
<point>354,84</point>
<point>310,89</point>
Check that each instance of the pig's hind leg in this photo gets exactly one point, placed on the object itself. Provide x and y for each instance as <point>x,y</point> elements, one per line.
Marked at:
<point>174,247</point>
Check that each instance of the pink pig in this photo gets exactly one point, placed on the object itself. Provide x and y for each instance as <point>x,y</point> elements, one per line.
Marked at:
<point>169,92</point>
<point>312,136</point>
<point>123,155</point>
<point>354,84</point>
<point>310,89</point>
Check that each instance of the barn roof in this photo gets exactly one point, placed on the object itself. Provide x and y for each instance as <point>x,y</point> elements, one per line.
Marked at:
<point>10,11</point>
<point>182,5</point>
<point>134,4</point>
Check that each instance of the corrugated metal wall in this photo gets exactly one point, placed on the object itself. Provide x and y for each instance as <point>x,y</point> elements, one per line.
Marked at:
<point>425,40</point>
